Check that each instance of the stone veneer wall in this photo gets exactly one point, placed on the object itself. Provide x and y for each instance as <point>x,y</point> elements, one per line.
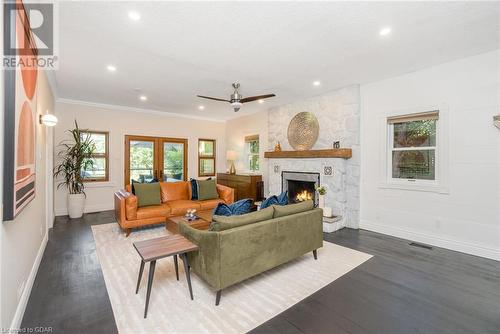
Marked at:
<point>338,113</point>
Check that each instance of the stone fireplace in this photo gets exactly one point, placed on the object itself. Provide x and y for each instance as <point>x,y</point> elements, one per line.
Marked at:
<point>300,186</point>
<point>338,116</point>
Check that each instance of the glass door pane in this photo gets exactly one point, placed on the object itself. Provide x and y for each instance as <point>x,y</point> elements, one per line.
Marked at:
<point>173,161</point>
<point>142,161</point>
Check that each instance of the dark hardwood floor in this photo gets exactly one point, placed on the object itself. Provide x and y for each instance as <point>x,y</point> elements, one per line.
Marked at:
<point>69,293</point>
<point>402,289</point>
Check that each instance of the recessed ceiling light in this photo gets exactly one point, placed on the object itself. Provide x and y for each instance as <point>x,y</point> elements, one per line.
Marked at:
<point>201,107</point>
<point>385,31</point>
<point>143,98</point>
<point>316,83</point>
<point>134,16</point>
<point>261,101</point>
<point>111,68</point>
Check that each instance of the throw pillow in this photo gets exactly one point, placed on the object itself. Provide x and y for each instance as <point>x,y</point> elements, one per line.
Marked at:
<point>194,189</point>
<point>272,200</point>
<point>286,210</point>
<point>207,189</point>
<point>132,182</point>
<point>221,223</point>
<point>283,198</point>
<point>237,208</point>
<point>147,194</point>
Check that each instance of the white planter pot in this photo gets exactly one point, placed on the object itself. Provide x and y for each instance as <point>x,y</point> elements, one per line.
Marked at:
<point>321,201</point>
<point>76,203</point>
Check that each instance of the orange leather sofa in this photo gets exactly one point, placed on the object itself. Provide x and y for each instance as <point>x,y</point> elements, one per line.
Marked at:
<point>175,200</point>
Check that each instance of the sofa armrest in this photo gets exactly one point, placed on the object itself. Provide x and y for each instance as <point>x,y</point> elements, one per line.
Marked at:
<point>225,193</point>
<point>206,261</point>
<point>125,206</point>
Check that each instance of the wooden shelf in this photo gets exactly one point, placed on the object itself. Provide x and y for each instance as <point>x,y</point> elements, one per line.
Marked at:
<point>344,153</point>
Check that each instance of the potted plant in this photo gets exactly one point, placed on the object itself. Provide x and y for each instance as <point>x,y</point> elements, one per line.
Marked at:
<point>75,157</point>
<point>321,196</point>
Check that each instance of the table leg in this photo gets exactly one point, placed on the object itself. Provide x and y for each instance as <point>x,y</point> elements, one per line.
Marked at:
<point>140,276</point>
<point>176,267</point>
<point>188,274</point>
<point>152,266</point>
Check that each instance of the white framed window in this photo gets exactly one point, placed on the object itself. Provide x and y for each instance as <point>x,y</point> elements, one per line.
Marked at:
<point>252,152</point>
<point>414,152</point>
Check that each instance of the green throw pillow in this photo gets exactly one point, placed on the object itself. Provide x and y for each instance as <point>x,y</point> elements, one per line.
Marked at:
<point>207,189</point>
<point>290,209</point>
<point>147,194</point>
<point>221,223</point>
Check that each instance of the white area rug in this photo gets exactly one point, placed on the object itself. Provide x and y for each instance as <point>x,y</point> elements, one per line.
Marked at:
<point>243,306</point>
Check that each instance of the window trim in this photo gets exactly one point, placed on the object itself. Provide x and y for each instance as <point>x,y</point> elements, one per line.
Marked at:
<point>207,157</point>
<point>249,139</point>
<point>441,182</point>
<point>100,155</point>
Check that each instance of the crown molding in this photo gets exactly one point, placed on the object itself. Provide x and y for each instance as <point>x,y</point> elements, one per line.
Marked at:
<point>137,110</point>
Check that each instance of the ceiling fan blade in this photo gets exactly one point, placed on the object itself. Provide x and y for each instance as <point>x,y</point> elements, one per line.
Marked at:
<point>254,98</point>
<point>213,98</point>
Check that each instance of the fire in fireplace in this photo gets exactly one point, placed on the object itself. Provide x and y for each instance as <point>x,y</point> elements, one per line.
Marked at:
<point>301,186</point>
<point>303,196</point>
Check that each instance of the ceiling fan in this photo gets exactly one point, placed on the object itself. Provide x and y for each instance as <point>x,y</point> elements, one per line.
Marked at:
<point>237,99</point>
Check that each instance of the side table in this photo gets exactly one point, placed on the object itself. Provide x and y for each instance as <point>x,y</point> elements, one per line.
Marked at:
<point>158,248</point>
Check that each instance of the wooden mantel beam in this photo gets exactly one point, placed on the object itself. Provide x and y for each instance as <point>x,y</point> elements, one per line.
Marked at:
<point>344,153</point>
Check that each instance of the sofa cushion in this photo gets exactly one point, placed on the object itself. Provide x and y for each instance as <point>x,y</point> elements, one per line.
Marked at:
<point>286,210</point>
<point>178,208</point>
<point>173,191</point>
<point>209,204</point>
<point>207,189</point>
<point>147,194</point>
<point>221,223</point>
<point>162,210</point>
<point>237,208</point>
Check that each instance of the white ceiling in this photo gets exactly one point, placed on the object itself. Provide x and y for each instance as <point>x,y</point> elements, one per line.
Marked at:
<point>178,50</point>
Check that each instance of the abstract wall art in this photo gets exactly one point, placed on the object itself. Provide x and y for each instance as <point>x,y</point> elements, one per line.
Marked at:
<point>19,115</point>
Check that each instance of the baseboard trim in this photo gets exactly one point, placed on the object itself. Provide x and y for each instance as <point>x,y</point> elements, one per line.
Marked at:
<point>459,246</point>
<point>23,301</point>
<point>88,209</point>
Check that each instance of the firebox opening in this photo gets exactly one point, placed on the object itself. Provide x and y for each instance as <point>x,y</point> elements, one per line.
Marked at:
<point>301,186</point>
<point>299,191</point>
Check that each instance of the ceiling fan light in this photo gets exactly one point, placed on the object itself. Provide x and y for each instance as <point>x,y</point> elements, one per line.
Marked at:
<point>236,105</point>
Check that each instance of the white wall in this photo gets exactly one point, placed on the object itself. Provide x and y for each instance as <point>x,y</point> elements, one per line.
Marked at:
<point>237,129</point>
<point>467,218</point>
<point>23,240</point>
<point>121,122</point>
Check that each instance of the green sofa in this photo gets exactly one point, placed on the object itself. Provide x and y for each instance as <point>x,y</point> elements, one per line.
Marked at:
<point>239,247</point>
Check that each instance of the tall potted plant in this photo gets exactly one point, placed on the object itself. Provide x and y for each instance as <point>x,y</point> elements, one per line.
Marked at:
<point>75,158</point>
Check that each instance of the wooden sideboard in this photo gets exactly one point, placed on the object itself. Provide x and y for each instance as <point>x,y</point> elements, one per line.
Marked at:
<point>244,185</point>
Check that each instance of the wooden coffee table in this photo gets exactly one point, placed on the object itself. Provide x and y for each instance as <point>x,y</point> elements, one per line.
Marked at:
<point>202,223</point>
<point>158,248</point>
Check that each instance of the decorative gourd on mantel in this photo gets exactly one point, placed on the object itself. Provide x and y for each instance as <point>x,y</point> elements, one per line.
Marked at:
<point>344,153</point>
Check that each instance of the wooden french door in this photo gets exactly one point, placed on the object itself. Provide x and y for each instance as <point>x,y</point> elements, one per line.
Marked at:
<point>155,158</point>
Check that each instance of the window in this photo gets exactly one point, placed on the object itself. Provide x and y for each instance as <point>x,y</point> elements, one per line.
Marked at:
<point>252,152</point>
<point>412,147</point>
<point>206,157</point>
<point>100,170</point>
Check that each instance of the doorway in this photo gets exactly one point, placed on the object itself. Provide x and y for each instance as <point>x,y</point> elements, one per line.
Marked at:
<point>150,159</point>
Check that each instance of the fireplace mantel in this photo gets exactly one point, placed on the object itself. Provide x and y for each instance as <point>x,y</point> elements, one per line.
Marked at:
<point>344,153</point>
